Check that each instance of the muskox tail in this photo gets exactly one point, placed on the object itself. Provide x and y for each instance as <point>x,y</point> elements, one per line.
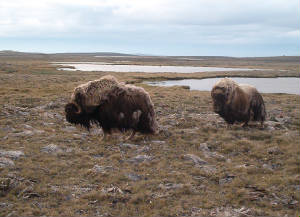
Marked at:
<point>258,108</point>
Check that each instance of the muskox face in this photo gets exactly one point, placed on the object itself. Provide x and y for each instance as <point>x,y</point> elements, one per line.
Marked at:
<point>219,97</point>
<point>75,115</point>
<point>72,112</point>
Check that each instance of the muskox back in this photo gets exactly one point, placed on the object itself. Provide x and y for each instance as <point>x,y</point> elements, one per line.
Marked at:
<point>126,107</point>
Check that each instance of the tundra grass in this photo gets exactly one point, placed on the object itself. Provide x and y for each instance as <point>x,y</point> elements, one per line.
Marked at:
<point>253,168</point>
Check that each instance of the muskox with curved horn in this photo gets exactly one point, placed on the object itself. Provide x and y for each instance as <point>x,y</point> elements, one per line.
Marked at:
<point>237,102</point>
<point>112,105</point>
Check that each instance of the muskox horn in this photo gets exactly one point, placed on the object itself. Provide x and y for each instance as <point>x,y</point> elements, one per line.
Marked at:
<point>73,108</point>
<point>79,110</point>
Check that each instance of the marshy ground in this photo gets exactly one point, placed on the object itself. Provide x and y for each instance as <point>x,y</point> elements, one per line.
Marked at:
<point>195,166</point>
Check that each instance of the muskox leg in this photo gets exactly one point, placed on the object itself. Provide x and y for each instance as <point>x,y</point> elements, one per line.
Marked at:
<point>247,119</point>
<point>245,125</point>
<point>104,137</point>
<point>130,136</point>
<point>105,133</point>
<point>229,126</point>
<point>262,124</point>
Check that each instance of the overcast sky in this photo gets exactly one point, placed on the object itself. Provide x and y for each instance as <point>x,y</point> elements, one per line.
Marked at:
<point>158,27</point>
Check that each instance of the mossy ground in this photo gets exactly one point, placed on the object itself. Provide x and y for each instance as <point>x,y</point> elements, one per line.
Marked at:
<point>241,170</point>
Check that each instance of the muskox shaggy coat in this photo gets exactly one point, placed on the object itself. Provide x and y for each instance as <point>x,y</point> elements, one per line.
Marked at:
<point>112,105</point>
<point>237,102</point>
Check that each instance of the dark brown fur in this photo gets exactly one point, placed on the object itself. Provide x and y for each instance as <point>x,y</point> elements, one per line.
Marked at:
<point>237,103</point>
<point>122,107</point>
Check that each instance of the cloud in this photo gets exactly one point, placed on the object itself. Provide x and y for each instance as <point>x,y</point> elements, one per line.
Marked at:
<point>161,21</point>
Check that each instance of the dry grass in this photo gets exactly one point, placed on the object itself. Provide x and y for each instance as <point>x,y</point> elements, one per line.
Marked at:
<point>243,173</point>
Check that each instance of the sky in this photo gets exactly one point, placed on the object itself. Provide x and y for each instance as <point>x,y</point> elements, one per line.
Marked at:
<point>154,27</point>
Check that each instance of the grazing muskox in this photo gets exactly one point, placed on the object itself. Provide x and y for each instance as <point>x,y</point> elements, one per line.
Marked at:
<point>112,105</point>
<point>237,102</point>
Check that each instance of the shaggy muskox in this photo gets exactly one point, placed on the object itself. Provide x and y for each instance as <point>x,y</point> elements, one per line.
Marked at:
<point>112,105</point>
<point>237,102</point>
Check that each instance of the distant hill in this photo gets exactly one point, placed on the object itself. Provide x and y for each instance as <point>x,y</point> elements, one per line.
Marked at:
<point>17,53</point>
<point>53,56</point>
<point>82,55</point>
<point>93,54</point>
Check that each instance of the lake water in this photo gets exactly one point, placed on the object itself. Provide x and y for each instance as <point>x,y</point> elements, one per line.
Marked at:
<point>142,68</point>
<point>264,85</point>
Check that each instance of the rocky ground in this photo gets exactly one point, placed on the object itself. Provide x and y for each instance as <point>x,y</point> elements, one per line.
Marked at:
<point>195,166</point>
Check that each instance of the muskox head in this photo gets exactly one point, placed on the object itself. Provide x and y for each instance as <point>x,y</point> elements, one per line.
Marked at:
<point>75,115</point>
<point>219,96</point>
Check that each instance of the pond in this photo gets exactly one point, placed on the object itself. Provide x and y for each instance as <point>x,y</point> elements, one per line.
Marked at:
<point>141,68</point>
<point>288,85</point>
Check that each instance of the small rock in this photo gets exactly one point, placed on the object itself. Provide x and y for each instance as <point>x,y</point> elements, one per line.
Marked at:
<point>113,189</point>
<point>22,113</point>
<point>52,105</point>
<point>270,128</point>
<point>48,124</point>
<point>203,147</point>
<point>69,129</point>
<point>24,133</point>
<point>51,149</point>
<point>169,186</point>
<point>143,149</point>
<point>158,142</point>
<point>267,166</point>
<point>28,127</point>
<point>140,159</point>
<point>246,166</point>
<point>274,150</point>
<point>127,145</point>
<point>78,136</point>
<point>133,177</point>
<point>210,169</point>
<point>200,178</point>
<point>197,160</point>
<point>209,154</point>
<point>98,169</point>
<point>12,214</point>
<point>5,205</point>
<point>96,131</point>
<point>214,155</point>
<point>272,125</point>
<point>8,129</point>
<point>226,179</point>
<point>58,116</point>
<point>296,187</point>
<point>164,131</point>
<point>11,154</point>
<point>39,131</point>
<point>6,162</point>
<point>101,169</point>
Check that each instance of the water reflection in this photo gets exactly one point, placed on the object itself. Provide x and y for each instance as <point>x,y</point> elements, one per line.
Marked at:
<point>264,85</point>
<point>142,68</point>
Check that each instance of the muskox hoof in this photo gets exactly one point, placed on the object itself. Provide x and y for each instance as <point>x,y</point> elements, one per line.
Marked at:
<point>130,136</point>
<point>245,125</point>
<point>229,126</point>
<point>103,138</point>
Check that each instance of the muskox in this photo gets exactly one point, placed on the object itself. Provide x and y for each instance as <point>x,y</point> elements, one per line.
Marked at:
<point>237,102</point>
<point>112,105</point>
